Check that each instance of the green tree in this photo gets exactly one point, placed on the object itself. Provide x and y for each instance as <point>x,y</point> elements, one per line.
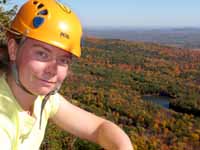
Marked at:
<point>2,1</point>
<point>5,18</point>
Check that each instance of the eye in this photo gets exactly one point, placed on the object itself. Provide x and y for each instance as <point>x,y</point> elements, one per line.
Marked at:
<point>41,55</point>
<point>64,61</point>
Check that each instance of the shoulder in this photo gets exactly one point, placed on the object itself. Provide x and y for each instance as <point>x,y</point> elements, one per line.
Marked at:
<point>8,103</point>
<point>8,106</point>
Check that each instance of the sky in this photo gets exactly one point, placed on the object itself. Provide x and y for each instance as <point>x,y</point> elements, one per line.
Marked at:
<point>133,13</point>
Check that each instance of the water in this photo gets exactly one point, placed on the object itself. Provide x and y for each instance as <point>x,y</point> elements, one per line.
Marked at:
<point>161,100</point>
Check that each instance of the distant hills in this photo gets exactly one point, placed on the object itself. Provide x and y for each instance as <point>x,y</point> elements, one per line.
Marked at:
<point>179,37</point>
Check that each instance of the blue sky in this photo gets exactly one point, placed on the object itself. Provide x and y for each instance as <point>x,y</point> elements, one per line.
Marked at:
<point>134,13</point>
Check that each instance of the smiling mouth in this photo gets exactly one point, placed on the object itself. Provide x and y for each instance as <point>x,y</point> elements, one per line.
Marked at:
<point>46,81</point>
<point>51,82</point>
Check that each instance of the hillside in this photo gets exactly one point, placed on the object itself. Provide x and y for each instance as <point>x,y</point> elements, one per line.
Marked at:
<point>179,37</point>
<point>109,80</point>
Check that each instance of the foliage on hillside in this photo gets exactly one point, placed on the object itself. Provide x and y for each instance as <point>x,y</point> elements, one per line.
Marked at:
<point>109,80</point>
<point>5,17</point>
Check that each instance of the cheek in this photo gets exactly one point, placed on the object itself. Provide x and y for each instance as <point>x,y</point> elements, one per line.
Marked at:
<point>35,67</point>
<point>62,73</point>
<point>29,69</point>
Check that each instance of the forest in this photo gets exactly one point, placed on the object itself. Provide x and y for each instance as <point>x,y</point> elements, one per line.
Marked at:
<point>110,79</point>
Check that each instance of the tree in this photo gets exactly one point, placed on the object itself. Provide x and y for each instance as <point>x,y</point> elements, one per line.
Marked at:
<point>5,18</point>
<point>2,1</point>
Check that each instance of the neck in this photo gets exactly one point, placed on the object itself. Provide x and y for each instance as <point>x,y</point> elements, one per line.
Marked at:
<point>24,99</point>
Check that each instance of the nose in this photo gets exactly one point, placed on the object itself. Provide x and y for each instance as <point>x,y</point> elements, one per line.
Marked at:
<point>51,68</point>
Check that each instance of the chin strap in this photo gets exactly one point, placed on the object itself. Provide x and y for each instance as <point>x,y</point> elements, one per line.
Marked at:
<point>16,77</point>
<point>44,101</point>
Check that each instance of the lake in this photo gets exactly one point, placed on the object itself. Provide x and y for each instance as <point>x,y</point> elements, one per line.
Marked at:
<point>161,100</point>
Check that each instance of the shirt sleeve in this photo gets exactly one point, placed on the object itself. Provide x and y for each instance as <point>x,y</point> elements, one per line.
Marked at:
<point>5,140</point>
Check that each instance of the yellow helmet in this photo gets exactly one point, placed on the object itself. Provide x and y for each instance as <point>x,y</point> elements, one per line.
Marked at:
<point>51,22</point>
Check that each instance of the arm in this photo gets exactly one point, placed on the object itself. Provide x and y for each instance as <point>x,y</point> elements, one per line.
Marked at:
<point>111,137</point>
<point>88,126</point>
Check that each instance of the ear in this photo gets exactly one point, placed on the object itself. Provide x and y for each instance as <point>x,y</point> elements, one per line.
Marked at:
<point>12,49</point>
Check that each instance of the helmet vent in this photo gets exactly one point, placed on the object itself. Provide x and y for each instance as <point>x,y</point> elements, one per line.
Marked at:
<point>40,6</point>
<point>43,12</point>
<point>35,2</point>
<point>38,21</point>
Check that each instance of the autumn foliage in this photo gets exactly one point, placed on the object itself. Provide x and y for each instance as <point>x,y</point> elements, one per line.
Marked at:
<point>109,81</point>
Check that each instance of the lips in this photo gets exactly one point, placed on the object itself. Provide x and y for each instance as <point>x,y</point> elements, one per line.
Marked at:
<point>50,82</point>
<point>46,81</point>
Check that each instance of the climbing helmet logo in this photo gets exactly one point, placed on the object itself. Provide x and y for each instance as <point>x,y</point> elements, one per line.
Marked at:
<point>65,35</point>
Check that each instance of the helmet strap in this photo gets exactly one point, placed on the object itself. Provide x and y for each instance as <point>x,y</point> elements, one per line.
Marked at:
<point>17,80</point>
<point>46,97</point>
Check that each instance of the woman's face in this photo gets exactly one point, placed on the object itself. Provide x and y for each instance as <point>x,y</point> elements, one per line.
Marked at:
<point>41,67</point>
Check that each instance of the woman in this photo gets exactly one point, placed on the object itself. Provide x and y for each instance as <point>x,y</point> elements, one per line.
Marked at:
<point>41,41</point>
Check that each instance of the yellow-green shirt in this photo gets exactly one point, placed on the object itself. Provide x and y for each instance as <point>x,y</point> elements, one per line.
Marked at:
<point>19,128</point>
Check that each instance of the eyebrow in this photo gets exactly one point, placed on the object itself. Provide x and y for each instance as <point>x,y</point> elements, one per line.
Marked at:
<point>48,50</point>
<point>45,48</point>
